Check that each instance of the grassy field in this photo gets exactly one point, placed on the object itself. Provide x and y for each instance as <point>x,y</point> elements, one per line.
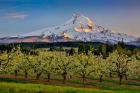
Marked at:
<point>9,85</point>
<point>39,88</point>
<point>6,87</point>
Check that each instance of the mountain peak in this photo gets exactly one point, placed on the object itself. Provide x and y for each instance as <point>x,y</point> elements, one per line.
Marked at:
<point>81,23</point>
<point>78,27</point>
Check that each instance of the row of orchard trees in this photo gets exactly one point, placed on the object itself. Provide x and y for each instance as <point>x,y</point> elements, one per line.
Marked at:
<point>81,65</point>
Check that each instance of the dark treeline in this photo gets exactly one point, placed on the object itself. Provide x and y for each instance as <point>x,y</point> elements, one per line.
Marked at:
<point>99,48</point>
<point>48,45</point>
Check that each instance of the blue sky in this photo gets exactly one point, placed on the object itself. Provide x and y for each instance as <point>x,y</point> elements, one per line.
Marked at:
<point>23,16</point>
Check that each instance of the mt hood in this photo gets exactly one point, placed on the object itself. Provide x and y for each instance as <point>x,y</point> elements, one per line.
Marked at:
<point>78,28</point>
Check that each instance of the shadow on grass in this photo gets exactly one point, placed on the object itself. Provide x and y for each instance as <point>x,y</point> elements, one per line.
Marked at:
<point>13,80</point>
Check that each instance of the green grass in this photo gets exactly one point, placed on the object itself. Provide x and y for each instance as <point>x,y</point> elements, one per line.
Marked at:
<point>12,80</point>
<point>128,87</point>
<point>6,87</point>
<point>9,85</point>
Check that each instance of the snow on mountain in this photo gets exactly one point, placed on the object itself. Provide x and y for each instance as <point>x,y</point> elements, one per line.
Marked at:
<point>78,28</point>
<point>70,25</point>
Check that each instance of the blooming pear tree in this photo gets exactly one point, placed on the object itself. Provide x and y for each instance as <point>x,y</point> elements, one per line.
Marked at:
<point>120,64</point>
<point>5,62</point>
<point>65,65</point>
<point>38,64</point>
<point>49,63</point>
<point>134,68</point>
<point>84,66</point>
<point>100,67</point>
<point>17,59</point>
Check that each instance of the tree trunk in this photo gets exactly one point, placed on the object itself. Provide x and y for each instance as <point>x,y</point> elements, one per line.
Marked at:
<point>120,77</point>
<point>16,73</point>
<point>64,77</point>
<point>125,77</point>
<point>110,74</point>
<point>84,82</point>
<point>38,76</point>
<point>101,76</point>
<point>48,77</point>
<point>26,74</point>
<point>70,77</point>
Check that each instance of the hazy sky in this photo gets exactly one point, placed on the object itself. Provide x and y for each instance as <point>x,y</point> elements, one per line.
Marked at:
<point>23,16</point>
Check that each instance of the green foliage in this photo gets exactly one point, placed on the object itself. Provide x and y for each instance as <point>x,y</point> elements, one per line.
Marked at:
<point>84,65</point>
<point>5,62</point>
<point>71,52</point>
<point>65,66</point>
<point>84,48</point>
<point>118,64</point>
<point>101,67</point>
<point>39,88</point>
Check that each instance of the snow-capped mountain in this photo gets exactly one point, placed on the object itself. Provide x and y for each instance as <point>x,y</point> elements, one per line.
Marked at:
<point>78,28</point>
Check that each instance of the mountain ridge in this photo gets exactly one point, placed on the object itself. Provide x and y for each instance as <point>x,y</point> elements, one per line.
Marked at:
<point>78,28</point>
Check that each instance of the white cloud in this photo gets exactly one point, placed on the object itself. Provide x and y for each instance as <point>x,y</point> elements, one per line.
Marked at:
<point>16,16</point>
